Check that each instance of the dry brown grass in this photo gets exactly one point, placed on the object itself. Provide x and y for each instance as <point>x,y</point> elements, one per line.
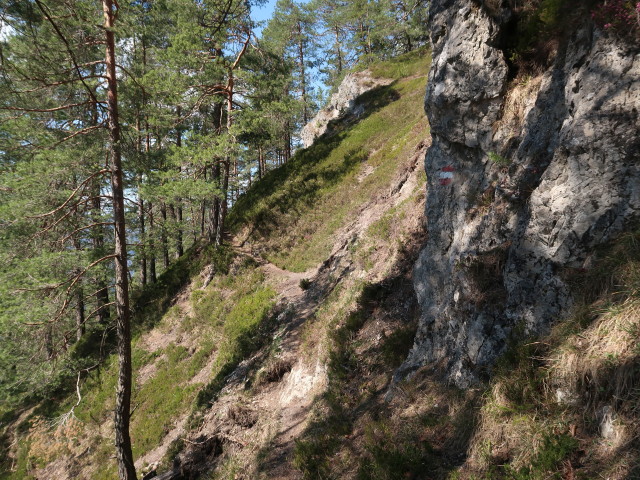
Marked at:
<point>518,101</point>
<point>577,389</point>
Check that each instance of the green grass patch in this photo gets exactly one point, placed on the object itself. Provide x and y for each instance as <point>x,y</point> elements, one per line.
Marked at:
<point>294,211</point>
<point>545,464</point>
<point>498,159</point>
<point>402,66</point>
<point>244,331</point>
<point>393,455</point>
<point>152,302</point>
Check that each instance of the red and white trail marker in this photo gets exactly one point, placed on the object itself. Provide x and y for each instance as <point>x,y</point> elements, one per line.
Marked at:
<point>446,175</point>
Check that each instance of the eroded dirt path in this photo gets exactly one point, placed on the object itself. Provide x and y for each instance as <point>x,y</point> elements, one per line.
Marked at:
<point>263,421</point>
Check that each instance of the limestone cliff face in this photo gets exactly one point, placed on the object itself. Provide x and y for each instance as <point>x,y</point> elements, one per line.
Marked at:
<point>523,182</point>
<point>341,104</point>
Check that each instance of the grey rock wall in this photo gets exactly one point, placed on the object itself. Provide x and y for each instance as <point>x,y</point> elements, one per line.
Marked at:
<point>508,209</point>
<point>341,104</point>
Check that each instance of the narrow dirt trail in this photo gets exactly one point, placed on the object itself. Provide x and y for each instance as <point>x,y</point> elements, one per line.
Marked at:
<point>279,409</point>
<point>290,402</point>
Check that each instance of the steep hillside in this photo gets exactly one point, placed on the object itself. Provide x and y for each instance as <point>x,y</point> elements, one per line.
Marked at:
<point>236,348</point>
<point>340,334</point>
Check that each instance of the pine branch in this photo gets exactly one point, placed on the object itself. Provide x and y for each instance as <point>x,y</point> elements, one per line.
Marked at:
<point>63,240</point>
<point>68,47</point>
<point>82,185</point>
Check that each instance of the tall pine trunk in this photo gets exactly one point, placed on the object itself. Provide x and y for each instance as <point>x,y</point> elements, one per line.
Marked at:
<point>214,212</point>
<point>226,165</point>
<point>179,233</point>
<point>163,235</point>
<point>124,454</point>
<point>143,237</point>
<point>79,314</point>
<point>338,49</point>
<point>152,247</point>
<point>303,74</point>
<point>102,294</point>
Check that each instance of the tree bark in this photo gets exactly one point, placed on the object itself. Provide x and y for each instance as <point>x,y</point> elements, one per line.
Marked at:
<point>152,247</point>
<point>163,235</point>
<point>124,454</point>
<point>143,239</point>
<point>79,314</point>
<point>214,212</point>
<point>226,165</point>
<point>102,295</point>
<point>303,74</point>
<point>179,234</point>
<point>338,50</point>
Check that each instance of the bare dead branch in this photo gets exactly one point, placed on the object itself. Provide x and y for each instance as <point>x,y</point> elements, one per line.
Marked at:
<point>98,224</point>
<point>46,110</point>
<point>97,310</point>
<point>82,185</point>
<point>242,52</point>
<point>84,131</point>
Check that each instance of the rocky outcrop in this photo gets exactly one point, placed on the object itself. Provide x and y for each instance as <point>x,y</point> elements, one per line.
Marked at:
<point>342,103</point>
<point>513,199</point>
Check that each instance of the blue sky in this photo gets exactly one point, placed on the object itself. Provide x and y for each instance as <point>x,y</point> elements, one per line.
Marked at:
<point>264,12</point>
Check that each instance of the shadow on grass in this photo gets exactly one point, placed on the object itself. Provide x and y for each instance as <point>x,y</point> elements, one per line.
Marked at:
<point>293,187</point>
<point>354,424</point>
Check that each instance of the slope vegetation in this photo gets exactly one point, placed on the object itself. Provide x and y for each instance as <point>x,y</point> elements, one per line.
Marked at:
<point>235,348</point>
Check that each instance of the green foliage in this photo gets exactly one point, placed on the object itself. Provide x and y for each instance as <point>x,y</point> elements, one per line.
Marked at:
<point>312,191</point>
<point>537,25</point>
<point>362,32</point>
<point>498,160</point>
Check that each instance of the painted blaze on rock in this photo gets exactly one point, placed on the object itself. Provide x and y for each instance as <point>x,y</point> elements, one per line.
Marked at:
<point>446,175</point>
<point>572,183</point>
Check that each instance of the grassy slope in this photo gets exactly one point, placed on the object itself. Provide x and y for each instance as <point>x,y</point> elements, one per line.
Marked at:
<point>294,211</point>
<point>188,338</point>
